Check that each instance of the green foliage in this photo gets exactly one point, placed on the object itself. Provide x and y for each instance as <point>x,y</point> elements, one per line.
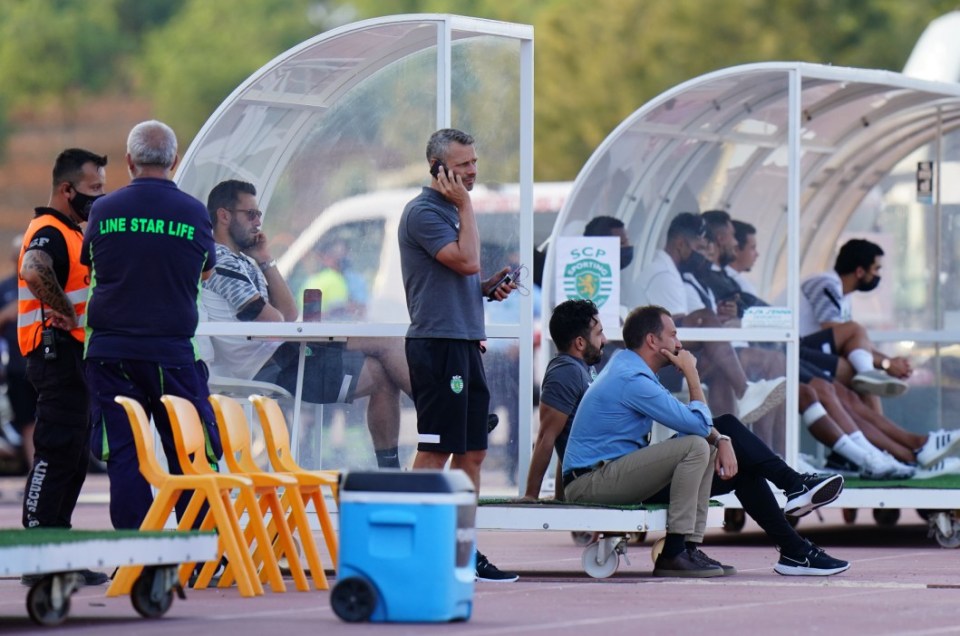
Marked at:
<point>56,49</point>
<point>596,66</point>
<point>202,54</point>
<point>595,62</point>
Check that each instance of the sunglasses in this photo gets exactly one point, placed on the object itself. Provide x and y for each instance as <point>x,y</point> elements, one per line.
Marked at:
<point>251,213</point>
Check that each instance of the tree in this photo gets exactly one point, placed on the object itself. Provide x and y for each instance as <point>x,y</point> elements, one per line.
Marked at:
<point>192,63</point>
<point>56,50</point>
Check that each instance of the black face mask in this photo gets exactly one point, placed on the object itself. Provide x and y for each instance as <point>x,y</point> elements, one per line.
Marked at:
<point>626,256</point>
<point>81,203</point>
<point>693,263</point>
<point>865,286</point>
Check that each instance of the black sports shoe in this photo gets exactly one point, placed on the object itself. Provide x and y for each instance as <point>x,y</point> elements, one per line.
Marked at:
<point>811,492</point>
<point>216,573</point>
<point>839,464</point>
<point>487,571</point>
<point>698,554</point>
<point>686,565</point>
<point>812,562</point>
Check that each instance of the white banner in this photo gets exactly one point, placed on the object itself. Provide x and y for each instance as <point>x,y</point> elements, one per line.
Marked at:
<point>588,267</point>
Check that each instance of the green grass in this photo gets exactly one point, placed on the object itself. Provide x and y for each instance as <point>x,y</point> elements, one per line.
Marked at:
<point>43,536</point>
<point>943,481</point>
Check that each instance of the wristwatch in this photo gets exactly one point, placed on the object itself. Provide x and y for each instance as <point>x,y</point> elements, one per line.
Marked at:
<point>720,438</point>
<point>885,364</point>
<point>265,266</point>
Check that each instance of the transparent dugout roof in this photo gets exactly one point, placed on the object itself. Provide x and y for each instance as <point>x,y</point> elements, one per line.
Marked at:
<point>723,141</point>
<point>346,115</point>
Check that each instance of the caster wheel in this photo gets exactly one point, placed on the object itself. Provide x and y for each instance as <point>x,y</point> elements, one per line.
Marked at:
<point>734,519</point>
<point>594,568</point>
<point>849,515</point>
<point>953,541</point>
<point>886,517</point>
<point>148,595</point>
<point>353,600</point>
<point>656,550</point>
<point>583,539</point>
<point>945,527</point>
<point>42,607</point>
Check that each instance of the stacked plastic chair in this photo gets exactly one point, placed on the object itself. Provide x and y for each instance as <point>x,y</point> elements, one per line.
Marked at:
<point>212,489</point>
<point>190,441</point>
<point>311,482</point>
<point>286,512</point>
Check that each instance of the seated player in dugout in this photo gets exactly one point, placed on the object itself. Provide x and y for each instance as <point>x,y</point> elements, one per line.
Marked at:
<point>247,286</point>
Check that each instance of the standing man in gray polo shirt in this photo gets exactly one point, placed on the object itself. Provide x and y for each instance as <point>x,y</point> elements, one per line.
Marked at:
<point>440,260</point>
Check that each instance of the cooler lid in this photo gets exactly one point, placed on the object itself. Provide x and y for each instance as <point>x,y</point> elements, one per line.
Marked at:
<point>439,481</point>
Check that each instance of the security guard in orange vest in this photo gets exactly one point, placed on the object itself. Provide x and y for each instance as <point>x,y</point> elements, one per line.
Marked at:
<point>52,299</point>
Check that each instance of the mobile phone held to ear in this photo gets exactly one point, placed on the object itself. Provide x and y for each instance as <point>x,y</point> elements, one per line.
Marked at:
<point>435,168</point>
<point>508,278</point>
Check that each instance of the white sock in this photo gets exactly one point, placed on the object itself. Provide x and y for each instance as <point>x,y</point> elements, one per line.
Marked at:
<point>861,359</point>
<point>849,449</point>
<point>861,440</point>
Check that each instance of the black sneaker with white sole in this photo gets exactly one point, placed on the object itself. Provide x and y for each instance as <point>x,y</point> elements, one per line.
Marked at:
<point>490,573</point>
<point>813,561</point>
<point>811,492</point>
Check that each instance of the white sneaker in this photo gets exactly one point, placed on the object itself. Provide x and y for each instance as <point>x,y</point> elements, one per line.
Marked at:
<point>882,465</point>
<point>878,383</point>
<point>760,397</point>
<point>946,466</point>
<point>939,444</point>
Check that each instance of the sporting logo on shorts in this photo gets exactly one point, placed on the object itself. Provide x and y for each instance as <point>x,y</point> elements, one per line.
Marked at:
<point>456,384</point>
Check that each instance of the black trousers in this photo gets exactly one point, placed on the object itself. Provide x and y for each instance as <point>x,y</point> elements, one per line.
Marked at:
<point>61,436</point>
<point>756,464</point>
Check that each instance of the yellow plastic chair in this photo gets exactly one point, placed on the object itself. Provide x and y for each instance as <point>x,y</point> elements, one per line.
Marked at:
<point>190,441</point>
<point>311,481</point>
<point>214,490</point>
<point>235,437</point>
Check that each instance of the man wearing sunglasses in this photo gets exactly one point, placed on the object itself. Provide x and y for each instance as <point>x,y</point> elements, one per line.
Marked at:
<point>248,287</point>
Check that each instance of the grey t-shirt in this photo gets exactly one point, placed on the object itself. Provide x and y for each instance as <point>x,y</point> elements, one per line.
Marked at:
<point>441,302</point>
<point>564,383</point>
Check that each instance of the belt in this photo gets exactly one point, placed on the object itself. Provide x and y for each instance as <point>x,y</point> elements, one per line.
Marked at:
<point>570,475</point>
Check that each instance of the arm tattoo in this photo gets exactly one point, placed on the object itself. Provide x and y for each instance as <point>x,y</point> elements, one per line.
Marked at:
<point>43,283</point>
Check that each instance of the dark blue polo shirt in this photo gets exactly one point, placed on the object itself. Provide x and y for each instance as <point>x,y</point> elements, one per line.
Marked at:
<point>147,245</point>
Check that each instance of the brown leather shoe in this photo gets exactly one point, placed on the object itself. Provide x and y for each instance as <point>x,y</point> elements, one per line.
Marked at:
<point>686,566</point>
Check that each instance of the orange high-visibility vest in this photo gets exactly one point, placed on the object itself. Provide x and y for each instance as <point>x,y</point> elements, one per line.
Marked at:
<point>29,316</point>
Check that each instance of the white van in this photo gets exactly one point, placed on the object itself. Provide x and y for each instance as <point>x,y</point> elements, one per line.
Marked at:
<point>367,225</point>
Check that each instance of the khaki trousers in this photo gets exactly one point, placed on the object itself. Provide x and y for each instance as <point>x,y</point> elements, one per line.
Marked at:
<point>685,463</point>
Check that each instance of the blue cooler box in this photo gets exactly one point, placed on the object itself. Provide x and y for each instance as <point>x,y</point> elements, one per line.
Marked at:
<point>407,544</point>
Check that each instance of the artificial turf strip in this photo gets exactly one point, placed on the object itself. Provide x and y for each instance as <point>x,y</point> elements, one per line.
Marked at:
<point>553,503</point>
<point>42,536</point>
<point>945,482</point>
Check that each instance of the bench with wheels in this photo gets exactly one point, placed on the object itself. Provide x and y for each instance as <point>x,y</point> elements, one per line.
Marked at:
<point>607,527</point>
<point>59,554</point>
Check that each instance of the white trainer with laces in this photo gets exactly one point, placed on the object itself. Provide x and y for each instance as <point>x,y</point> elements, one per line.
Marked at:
<point>946,466</point>
<point>879,383</point>
<point>939,444</point>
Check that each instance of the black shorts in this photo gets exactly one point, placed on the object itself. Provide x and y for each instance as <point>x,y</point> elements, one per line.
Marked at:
<point>450,392</point>
<point>820,349</point>
<point>330,371</point>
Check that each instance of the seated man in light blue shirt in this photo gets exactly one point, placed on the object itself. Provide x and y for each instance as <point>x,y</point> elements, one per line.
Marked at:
<point>608,459</point>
